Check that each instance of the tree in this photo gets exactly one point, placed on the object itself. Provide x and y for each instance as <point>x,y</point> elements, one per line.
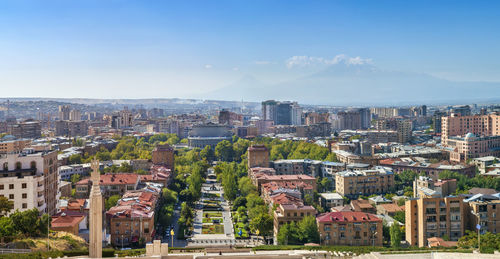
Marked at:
<point>6,227</point>
<point>25,222</point>
<point>395,232</point>
<point>111,201</point>
<point>308,230</point>
<point>207,153</point>
<point>125,168</point>
<point>246,186</point>
<point>289,234</point>
<point>400,216</point>
<point>262,222</point>
<point>253,200</point>
<point>239,202</point>
<point>75,178</point>
<point>224,151</point>
<point>6,206</point>
<point>75,159</point>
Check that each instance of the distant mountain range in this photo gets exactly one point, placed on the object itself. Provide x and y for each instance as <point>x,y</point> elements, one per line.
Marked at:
<point>343,84</point>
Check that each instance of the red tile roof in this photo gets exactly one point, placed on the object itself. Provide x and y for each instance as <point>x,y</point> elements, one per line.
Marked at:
<point>347,216</point>
<point>66,220</point>
<point>114,179</point>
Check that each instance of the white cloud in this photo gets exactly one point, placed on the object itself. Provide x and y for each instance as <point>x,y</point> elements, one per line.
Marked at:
<point>208,66</point>
<point>306,61</point>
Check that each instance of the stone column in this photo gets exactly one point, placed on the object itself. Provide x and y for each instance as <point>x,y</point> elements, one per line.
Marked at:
<point>95,214</point>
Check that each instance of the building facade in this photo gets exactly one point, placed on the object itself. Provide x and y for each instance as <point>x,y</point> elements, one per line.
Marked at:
<point>364,182</point>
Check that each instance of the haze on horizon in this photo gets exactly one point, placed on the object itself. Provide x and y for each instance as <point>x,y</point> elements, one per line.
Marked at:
<point>187,49</point>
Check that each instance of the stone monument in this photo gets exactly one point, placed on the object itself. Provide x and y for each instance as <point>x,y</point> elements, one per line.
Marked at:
<point>95,214</point>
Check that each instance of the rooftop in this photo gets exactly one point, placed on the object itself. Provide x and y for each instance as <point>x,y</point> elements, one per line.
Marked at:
<point>347,216</point>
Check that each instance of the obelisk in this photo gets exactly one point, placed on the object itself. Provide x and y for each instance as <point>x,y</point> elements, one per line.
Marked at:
<point>95,214</point>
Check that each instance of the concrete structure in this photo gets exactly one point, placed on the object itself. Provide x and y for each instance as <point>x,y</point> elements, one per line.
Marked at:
<point>364,182</point>
<point>27,129</point>
<point>427,187</point>
<point>484,210</point>
<point>258,156</point>
<point>482,163</point>
<point>282,113</point>
<point>71,128</point>
<point>350,229</point>
<point>64,111</point>
<point>434,217</point>
<point>66,171</point>
<point>13,145</point>
<point>95,214</point>
<point>210,134</point>
<point>110,184</point>
<point>157,249</point>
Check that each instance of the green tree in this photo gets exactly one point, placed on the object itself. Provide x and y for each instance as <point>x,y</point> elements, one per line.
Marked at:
<point>75,178</point>
<point>224,151</point>
<point>111,201</point>
<point>400,216</point>
<point>125,168</point>
<point>25,222</point>
<point>246,186</point>
<point>75,159</point>
<point>308,230</point>
<point>289,234</point>
<point>239,202</point>
<point>6,227</point>
<point>262,222</point>
<point>6,206</point>
<point>395,232</point>
<point>207,153</point>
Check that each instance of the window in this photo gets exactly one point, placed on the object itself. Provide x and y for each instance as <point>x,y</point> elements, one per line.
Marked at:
<point>25,205</point>
<point>18,166</point>
<point>33,165</point>
<point>25,195</point>
<point>11,186</point>
<point>24,185</point>
<point>1,186</point>
<point>6,166</point>
<point>11,196</point>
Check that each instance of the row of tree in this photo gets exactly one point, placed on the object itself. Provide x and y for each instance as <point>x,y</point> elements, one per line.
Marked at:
<point>24,224</point>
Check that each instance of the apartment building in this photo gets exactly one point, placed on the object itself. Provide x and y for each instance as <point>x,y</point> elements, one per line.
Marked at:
<point>258,156</point>
<point>28,129</point>
<point>421,165</point>
<point>427,187</point>
<point>163,155</point>
<point>29,179</point>
<point>71,128</point>
<point>111,184</point>
<point>364,182</point>
<point>483,210</point>
<point>349,228</point>
<point>288,213</point>
<point>132,218</point>
<point>434,217</point>
<point>457,125</point>
<point>13,145</point>
<point>471,146</point>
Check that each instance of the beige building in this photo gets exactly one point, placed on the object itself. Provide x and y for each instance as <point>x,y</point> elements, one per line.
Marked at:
<point>488,212</point>
<point>29,179</point>
<point>404,129</point>
<point>364,182</point>
<point>163,155</point>
<point>288,213</point>
<point>350,228</point>
<point>434,217</point>
<point>13,146</point>
<point>471,146</point>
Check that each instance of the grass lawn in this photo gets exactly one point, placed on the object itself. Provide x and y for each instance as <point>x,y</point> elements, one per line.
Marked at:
<point>244,233</point>
<point>210,220</point>
<point>212,229</point>
<point>212,214</point>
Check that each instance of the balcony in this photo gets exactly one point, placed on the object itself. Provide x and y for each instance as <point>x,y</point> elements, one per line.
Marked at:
<point>431,226</point>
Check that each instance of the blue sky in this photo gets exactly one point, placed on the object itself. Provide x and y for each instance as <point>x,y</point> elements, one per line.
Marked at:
<point>132,49</point>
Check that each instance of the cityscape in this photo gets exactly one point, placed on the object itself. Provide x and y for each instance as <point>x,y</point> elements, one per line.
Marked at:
<point>158,129</point>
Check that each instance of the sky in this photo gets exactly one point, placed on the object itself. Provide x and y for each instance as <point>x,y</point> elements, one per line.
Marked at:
<point>151,49</point>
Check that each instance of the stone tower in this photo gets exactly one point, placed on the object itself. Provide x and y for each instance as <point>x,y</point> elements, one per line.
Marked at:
<point>95,214</point>
<point>258,156</point>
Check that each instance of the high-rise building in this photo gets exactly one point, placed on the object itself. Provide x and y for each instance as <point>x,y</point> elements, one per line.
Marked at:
<point>71,128</point>
<point>64,111</point>
<point>349,120</point>
<point>75,115</point>
<point>26,129</point>
<point>479,125</point>
<point>282,113</point>
<point>404,129</point>
<point>434,217</point>
<point>436,120</point>
<point>463,110</point>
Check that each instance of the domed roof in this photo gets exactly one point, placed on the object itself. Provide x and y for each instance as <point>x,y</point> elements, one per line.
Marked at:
<point>469,135</point>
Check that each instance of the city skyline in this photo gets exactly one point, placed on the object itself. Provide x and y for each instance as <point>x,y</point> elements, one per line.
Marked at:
<point>199,49</point>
